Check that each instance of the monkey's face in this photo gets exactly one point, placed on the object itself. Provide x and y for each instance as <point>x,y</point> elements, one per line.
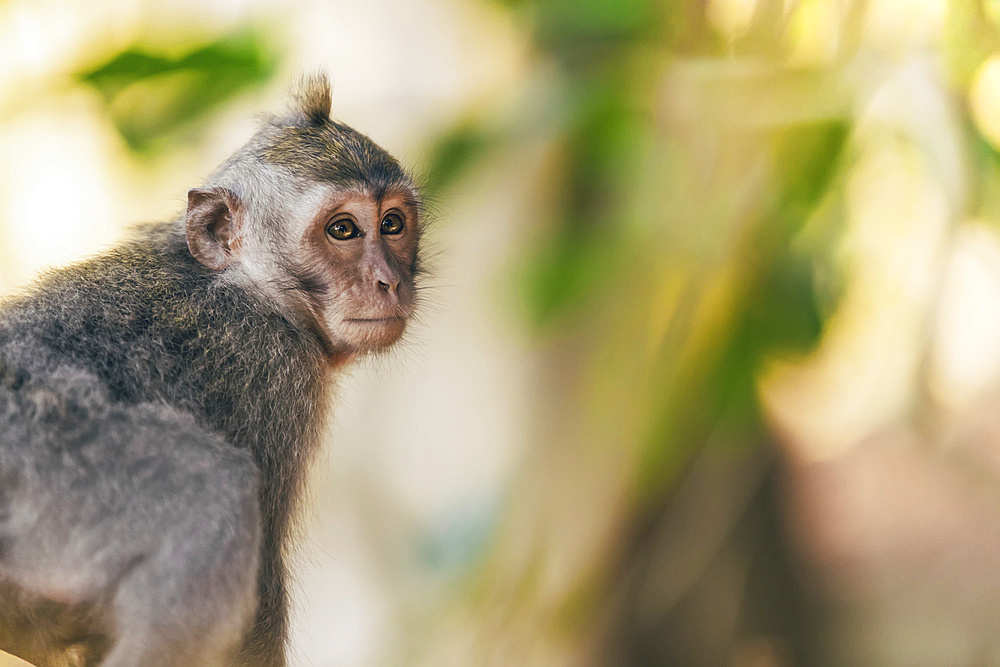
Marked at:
<point>355,268</point>
<point>338,261</point>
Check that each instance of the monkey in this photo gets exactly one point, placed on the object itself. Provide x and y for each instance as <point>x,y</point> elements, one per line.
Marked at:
<point>160,402</point>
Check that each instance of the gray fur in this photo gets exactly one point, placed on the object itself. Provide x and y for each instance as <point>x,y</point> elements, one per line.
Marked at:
<point>156,419</point>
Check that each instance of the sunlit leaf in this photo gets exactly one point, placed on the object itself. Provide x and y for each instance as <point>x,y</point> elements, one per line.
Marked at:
<point>151,95</point>
<point>561,21</point>
<point>778,309</point>
<point>805,158</point>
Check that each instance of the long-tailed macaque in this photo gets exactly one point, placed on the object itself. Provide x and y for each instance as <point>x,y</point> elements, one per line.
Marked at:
<point>160,403</point>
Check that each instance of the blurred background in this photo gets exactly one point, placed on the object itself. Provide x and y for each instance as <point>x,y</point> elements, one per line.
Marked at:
<point>708,372</point>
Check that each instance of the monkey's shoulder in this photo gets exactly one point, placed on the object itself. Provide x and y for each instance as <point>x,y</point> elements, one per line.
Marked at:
<point>151,324</point>
<point>107,316</point>
<point>90,300</point>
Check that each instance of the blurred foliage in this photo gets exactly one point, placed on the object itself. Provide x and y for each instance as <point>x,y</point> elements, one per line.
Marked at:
<point>971,37</point>
<point>614,225</point>
<point>695,197</point>
<point>571,28</point>
<point>689,175</point>
<point>151,95</point>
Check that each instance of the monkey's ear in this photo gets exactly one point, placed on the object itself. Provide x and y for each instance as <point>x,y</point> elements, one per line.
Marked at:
<point>212,226</point>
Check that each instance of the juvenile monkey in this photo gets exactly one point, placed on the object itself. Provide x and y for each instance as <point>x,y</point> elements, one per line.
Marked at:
<point>159,404</point>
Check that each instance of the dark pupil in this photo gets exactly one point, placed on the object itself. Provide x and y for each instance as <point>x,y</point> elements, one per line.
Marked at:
<point>342,230</point>
<point>391,225</point>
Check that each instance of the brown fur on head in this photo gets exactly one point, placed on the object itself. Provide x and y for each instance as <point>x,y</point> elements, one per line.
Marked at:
<point>310,143</point>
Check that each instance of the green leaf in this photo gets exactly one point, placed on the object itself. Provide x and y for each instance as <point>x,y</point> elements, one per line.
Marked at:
<point>806,159</point>
<point>152,95</point>
<point>562,279</point>
<point>455,152</point>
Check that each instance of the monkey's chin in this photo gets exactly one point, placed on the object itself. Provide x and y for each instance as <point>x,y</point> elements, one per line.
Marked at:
<point>373,334</point>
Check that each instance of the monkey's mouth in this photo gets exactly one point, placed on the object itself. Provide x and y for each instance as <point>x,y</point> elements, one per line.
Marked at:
<point>375,320</point>
<point>374,333</point>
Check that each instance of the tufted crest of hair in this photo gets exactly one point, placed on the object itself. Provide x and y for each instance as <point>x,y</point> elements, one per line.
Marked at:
<point>310,144</point>
<point>313,99</point>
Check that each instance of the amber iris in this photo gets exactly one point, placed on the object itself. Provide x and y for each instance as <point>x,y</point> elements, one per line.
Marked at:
<point>342,230</point>
<point>392,224</point>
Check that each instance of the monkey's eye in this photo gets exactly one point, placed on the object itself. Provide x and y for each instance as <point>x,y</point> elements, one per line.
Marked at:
<point>342,230</point>
<point>392,224</point>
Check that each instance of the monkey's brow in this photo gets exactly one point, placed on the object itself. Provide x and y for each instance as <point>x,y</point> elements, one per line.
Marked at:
<point>408,195</point>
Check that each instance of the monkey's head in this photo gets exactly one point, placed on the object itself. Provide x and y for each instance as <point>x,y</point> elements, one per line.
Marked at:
<point>321,220</point>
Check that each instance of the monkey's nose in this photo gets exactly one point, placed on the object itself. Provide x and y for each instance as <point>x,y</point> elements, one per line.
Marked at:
<point>386,287</point>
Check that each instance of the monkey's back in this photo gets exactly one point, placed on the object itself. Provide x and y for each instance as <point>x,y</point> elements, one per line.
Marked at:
<point>124,316</point>
<point>145,330</point>
<point>120,381</point>
<point>95,366</point>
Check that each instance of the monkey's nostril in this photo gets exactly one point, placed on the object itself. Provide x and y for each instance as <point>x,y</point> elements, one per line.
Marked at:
<point>383,286</point>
